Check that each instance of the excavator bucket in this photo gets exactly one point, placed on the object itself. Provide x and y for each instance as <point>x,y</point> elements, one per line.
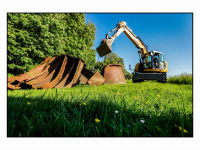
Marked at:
<point>105,47</point>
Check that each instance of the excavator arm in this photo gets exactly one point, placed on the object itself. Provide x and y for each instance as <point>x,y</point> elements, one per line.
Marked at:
<point>105,46</point>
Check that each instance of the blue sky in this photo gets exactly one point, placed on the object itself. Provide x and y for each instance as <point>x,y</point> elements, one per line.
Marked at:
<point>170,34</point>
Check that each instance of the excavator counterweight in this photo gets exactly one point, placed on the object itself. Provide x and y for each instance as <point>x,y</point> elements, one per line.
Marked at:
<point>105,47</point>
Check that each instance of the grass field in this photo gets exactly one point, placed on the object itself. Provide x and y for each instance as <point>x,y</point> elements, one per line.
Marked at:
<point>148,109</point>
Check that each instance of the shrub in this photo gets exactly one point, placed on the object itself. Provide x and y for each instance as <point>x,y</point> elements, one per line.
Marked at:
<point>184,78</point>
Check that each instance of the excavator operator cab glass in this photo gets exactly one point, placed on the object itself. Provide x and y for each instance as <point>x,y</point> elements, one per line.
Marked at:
<point>161,62</point>
<point>161,58</point>
<point>147,62</point>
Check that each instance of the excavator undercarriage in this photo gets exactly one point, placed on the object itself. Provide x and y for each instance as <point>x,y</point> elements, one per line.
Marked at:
<point>140,77</point>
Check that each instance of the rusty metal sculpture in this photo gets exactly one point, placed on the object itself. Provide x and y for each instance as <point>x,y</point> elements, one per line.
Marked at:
<point>60,71</point>
<point>63,71</point>
<point>113,74</point>
<point>88,77</point>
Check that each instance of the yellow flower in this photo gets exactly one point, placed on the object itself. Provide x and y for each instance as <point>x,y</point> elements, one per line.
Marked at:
<point>28,103</point>
<point>81,101</point>
<point>147,102</point>
<point>121,109</point>
<point>118,93</point>
<point>80,104</point>
<point>97,120</point>
<point>180,129</point>
<point>68,100</point>
<point>158,95</point>
<point>185,131</point>
<point>84,103</point>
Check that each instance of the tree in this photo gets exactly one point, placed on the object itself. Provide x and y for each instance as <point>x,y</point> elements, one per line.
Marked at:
<point>112,58</point>
<point>32,37</point>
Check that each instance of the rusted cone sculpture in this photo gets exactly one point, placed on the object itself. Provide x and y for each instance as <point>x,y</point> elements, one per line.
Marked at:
<point>113,74</point>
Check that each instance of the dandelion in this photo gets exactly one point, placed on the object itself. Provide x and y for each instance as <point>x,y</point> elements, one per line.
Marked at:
<point>84,103</point>
<point>116,112</point>
<point>147,102</point>
<point>158,95</point>
<point>97,120</point>
<point>185,131</point>
<point>142,121</point>
<point>180,129</point>
<point>28,103</point>
<point>80,104</point>
<point>118,93</point>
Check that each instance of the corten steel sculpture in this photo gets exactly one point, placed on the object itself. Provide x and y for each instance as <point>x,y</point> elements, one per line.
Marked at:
<point>88,77</point>
<point>60,71</point>
<point>113,74</point>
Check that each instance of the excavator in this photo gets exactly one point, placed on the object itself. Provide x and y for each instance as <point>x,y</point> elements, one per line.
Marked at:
<point>152,65</point>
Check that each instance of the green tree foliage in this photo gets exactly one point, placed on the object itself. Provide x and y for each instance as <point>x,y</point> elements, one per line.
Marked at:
<point>32,37</point>
<point>112,58</point>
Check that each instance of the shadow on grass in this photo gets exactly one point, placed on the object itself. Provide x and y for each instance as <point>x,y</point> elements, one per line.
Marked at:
<point>64,117</point>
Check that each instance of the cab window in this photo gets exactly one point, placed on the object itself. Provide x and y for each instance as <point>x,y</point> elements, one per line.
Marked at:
<point>161,58</point>
<point>147,62</point>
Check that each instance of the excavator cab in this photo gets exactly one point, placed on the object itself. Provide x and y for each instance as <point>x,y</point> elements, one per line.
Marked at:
<point>105,47</point>
<point>155,60</point>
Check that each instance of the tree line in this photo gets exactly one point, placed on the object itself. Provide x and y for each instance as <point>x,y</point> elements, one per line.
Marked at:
<point>33,36</point>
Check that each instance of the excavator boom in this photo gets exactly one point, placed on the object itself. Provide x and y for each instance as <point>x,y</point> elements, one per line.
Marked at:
<point>105,46</point>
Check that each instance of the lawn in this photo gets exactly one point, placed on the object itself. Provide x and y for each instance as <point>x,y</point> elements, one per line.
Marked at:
<point>147,109</point>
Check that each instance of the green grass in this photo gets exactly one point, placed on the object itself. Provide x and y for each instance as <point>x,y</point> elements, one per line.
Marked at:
<point>184,78</point>
<point>165,108</point>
